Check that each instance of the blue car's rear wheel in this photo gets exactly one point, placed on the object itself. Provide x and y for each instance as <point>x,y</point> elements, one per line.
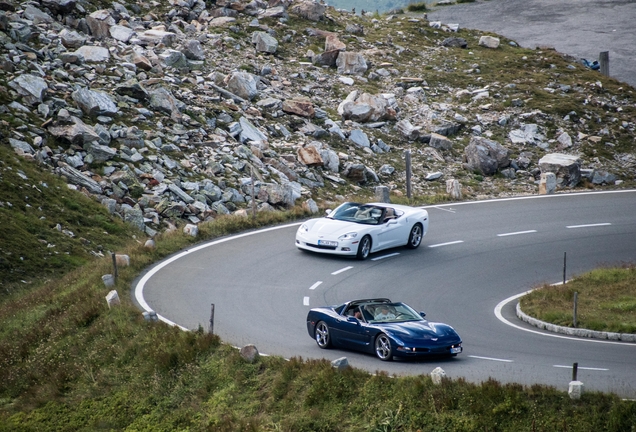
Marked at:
<point>323,338</point>
<point>364,248</point>
<point>383,347</point>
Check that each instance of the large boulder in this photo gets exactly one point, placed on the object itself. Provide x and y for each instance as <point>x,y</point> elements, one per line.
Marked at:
<point>351,63</point>
<point>485,156</point>
<point>567,168</point>
<point>310,10</point>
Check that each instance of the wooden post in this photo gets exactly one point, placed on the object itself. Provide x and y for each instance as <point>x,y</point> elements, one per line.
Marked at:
<point>408,173</point>
<point>576,302</point>
<point>212,319</point>
<point>603,59</point>
<point>114,265</point>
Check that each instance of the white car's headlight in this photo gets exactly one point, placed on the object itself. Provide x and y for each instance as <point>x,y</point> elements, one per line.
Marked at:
<point>303,228</point>
<point>348,236</point>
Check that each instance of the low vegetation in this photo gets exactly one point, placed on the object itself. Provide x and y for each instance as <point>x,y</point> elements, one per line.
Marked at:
<point>606,301</point>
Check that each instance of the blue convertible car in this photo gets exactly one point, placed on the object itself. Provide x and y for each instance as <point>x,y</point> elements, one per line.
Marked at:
<point>381,327</point>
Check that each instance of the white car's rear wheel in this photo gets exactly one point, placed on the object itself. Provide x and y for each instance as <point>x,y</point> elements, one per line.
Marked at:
<point>415,237</point>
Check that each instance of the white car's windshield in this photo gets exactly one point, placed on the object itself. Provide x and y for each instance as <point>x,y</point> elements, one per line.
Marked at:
<point>358,213</point>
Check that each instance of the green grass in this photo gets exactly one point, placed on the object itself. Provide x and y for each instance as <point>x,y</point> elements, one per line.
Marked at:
<point>606,301</point>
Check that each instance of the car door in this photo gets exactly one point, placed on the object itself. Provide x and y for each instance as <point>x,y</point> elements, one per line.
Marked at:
<point>393,232</point>
<point>353,333</point>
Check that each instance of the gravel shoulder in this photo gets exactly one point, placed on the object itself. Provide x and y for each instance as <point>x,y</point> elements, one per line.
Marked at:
<point>581,28</point>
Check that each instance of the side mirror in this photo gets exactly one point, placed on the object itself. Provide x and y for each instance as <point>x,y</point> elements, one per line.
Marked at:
<point>391,222</point>
<point>328,212</point>
<point>353,319</point>
<point>422,314</point>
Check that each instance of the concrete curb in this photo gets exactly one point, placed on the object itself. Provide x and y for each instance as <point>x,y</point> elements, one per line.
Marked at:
<point>570,331</point>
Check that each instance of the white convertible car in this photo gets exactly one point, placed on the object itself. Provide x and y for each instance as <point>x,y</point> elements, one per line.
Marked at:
<point>360,229</point>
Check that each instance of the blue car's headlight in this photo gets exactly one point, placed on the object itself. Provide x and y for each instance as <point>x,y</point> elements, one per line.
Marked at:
<point>348,236</point>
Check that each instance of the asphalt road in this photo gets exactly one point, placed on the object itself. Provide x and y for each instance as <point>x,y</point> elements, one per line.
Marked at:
<point>581,28</point>
<point>476,257</point>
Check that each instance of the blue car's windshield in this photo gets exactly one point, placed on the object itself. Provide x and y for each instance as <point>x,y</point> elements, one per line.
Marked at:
<point>358,213</point>
<point>390,312</point>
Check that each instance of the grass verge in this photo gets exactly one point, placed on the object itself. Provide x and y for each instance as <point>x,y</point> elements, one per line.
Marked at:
<point>606,301</point>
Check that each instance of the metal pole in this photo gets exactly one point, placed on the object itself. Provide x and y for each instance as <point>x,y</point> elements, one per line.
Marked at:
<point>114,265</point>
<point>603,60</point>
<point>575,371</point>
<point>564,265</point>
<point>408,174</point>
<point>212,319</point>
<point>576,301</point>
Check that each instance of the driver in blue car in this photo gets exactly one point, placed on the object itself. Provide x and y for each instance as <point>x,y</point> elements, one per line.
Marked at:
<point>385,314</point>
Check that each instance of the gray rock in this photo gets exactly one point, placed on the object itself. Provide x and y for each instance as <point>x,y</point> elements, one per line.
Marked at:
<point>603,177</point>
<point>21,146</point>
<point>32,88</point>
<point>567,168</point>
<point>340,363</point>
<point>359,138</point>
<point>193,50</point>
<point>243,85</point>
<point>93,54</point>
<point>264,42</point>
<point>351,63</point>
<point>249,353</point>
<point>249,132</point>
<point>485,156</point>
<point>310,10</point>
<point>71,38</point>
<point>99,23</point>
<point>440,142</point>
<point>134,216</point>
<point>121,33</point>
<point>94,103</point>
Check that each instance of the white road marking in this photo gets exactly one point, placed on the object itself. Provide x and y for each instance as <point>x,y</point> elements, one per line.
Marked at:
<point>342,270</point>
<point>446,244</point>
<point>589,225</point>
<point>500,317</point>
<point>305,301</point>
<point>580,367</point>
<point>385,256</point>
<point>493,359</point>
<point>316,285</point>
<point>516,233</point>
<point>448,210</point>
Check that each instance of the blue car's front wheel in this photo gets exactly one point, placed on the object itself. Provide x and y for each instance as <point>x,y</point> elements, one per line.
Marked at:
<point>323,339</point>
<point>383,347</point>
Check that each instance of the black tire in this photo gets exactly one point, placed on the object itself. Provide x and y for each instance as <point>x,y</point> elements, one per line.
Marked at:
<point>383,347</point>
<point>364,248</point>
<point>415,237</point>
<point>322,335</point>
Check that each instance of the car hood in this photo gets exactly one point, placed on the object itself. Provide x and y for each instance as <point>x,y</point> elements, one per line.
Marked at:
<point>332,227</point>
<point>421,330</point>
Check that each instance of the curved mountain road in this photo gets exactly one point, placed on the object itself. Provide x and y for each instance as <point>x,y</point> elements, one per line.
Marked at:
<point>475,256</point>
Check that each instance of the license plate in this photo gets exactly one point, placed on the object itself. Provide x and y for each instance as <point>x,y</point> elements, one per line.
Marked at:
<point>456,350</point>
<point>327,243</point>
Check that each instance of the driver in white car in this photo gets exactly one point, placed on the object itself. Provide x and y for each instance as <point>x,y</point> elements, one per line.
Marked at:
<point>385,314</point>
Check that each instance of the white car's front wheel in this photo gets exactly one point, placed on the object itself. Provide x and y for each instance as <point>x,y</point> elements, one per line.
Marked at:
<point>364,248</point>
<point>415,236</point>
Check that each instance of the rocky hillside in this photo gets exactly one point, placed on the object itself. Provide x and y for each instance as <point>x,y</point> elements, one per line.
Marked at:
<point>172,113</point>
